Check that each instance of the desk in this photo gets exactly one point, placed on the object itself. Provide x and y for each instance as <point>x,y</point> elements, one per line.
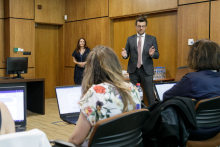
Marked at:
<point>159,80</point>
<point>34,92</point>
<point>164,80</point>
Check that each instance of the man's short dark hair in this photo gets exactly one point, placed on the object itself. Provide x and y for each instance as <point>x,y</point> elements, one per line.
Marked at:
<point>140,19</point>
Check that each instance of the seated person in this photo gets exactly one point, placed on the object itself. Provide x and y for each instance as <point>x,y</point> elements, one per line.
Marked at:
<point>104,93</point>
<point>7,124</point>
<point>204,58</point>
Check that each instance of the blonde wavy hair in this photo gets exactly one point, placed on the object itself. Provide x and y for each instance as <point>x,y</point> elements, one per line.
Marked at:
<point>102,66</point>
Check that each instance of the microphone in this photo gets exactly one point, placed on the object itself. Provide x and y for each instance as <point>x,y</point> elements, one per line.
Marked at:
<point>4,62</point>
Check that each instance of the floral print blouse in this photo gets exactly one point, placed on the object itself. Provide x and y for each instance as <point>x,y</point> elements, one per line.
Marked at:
<point>103,101</point>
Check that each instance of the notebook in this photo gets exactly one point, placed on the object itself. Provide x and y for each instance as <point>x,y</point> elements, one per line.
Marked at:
<point>15,100</point>
<point>160,88</point>
<point>67,101</point>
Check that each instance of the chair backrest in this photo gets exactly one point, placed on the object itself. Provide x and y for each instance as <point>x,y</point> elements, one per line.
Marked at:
<point>32,138</point>
<point>182,71</point>
<point>208,112</point>
<point>122,130</point>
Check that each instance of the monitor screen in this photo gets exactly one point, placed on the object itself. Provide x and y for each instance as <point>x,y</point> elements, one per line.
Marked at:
<point>14,99</point>
<point>160,88</point>
<point>67,98</point>
<point>17,65</point>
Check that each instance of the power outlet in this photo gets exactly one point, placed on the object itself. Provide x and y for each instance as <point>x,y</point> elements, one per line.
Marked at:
<point>26,53</point>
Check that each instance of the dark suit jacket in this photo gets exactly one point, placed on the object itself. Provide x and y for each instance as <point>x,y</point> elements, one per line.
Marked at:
<point>131,48</point>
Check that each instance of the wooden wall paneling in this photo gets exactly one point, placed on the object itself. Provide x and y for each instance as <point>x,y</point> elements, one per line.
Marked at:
<point>69,76</point>
<point>111,33</point>
<point>20,33</point>
<point>61,38</point>
<point>47,57</point>
<point>19,9</point>
<point>2,48</point>
<point>2,45</point>
<point>96,8</point>
<point>75,9</point>
<point>193,23</point>
<point>118,8</point>
<point>181,2</point>
<point>215,22</point>
<point>2,72</point>
<point>73,31</point>
<point>97,32</point>
<point>30,73</point>
<point>163,26</point>
<point>2,9</point>
<point>52,11</point>
<point>7,38</point>
<point>123,28</point>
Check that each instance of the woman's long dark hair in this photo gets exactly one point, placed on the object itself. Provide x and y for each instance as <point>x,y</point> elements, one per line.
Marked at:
<point>78,46</point>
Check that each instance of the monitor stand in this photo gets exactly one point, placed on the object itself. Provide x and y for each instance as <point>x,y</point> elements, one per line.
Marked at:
<point>18,75</point>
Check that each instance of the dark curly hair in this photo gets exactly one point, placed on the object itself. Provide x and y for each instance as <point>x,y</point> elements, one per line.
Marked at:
<point>204,54</point>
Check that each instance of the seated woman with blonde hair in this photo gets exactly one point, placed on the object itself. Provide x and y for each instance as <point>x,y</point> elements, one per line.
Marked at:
<point>7,124</point>
<point>104,93</point>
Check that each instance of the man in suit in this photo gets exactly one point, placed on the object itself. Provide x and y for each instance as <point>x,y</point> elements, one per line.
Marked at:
<point>141,48</point>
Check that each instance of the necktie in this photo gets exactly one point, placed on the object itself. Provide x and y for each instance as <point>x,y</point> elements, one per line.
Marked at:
<point>139,52</point>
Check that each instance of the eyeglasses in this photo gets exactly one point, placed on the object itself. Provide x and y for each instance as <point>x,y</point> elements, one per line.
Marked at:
<point>141,27</point>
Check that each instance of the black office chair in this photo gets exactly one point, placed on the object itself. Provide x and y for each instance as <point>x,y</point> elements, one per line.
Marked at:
<point>123,130</point>
<point>207,115</point>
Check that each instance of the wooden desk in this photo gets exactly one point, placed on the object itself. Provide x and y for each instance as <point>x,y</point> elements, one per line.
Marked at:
<point>159,80</point>
<point>164,80</point>
<point>34,92</point>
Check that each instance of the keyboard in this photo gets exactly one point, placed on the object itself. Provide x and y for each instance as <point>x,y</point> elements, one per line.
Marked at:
<point>20,129</point>
<point>72,119</point>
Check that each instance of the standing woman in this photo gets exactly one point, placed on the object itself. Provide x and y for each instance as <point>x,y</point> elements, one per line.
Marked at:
<point>79,58</point>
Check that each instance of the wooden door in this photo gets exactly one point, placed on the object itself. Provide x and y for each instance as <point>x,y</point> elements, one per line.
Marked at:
<point>47,57</point>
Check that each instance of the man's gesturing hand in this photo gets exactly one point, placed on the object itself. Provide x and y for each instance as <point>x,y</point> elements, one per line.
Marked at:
<point>124,53</point>
<point>151,51</point>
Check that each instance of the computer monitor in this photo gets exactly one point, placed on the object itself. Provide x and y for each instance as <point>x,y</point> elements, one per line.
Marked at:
<point>17,65</point>
<point>14,97</point>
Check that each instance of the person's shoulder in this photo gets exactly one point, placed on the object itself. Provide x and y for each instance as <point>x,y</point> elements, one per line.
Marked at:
<point>149,36</point>
<point>100,88</point>
<point>132,36</point>
<point>74,52</point>
<point>2,104</point>
<point>88,49</point>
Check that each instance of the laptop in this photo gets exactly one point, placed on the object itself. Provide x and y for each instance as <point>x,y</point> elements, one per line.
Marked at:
<point>15,100</point>
<point>160,88</point>
<point>67,101</point>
